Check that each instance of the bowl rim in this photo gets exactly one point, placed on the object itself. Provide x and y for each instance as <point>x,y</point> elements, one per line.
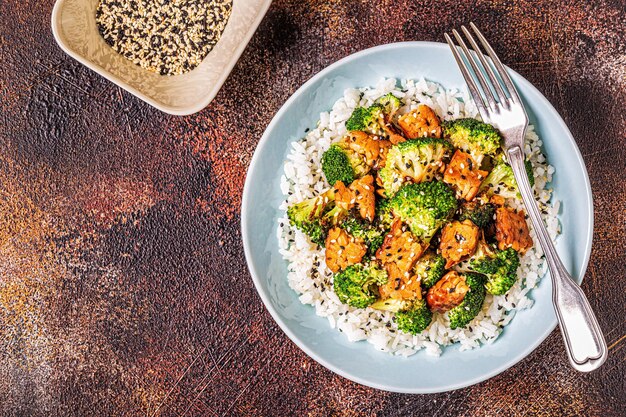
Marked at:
<point>173,110</point>
<point>264,141</point>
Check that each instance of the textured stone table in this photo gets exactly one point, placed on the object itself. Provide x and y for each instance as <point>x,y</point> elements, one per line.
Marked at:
<point>123,285</point>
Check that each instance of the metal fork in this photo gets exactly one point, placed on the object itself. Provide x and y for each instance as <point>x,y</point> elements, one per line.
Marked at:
<point>500,105</point>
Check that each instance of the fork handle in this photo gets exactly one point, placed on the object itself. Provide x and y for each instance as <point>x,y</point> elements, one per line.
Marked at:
<point>584,341</point>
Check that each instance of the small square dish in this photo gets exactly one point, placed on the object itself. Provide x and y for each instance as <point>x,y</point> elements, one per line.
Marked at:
<point>75,30</point>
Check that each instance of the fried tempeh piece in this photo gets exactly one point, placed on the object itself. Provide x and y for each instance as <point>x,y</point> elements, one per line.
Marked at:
<point>463,174</point>
<point>398,254</point>
<point>400,287</point>
<point>363,195</point>
<point>447,293</point>
<point>512,230</point>
<point>343,196</point>
<point>458,241</point>
<point>373,151</point>
<point>419,123</point>
<point>343,250</point>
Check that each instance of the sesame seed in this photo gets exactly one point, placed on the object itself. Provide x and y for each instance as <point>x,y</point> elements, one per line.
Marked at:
<point>163,36</point>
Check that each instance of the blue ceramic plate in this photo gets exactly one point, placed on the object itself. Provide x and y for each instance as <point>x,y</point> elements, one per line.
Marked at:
<point>359,361</point>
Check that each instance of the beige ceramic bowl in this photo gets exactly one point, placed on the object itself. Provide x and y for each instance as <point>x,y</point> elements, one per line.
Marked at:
<point>75,30</point>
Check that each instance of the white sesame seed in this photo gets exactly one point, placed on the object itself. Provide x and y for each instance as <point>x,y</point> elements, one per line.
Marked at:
<point>162,36</point>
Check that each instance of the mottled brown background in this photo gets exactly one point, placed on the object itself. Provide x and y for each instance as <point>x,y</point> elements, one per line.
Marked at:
<point>123,285</point>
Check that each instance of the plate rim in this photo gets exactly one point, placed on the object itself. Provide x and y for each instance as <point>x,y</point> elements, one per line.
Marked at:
<point>263,142</point>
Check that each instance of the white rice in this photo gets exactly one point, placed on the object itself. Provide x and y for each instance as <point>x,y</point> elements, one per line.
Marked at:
<point>308,274</point>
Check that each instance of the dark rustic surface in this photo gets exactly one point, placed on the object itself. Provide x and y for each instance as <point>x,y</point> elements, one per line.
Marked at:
<point>123,285</point>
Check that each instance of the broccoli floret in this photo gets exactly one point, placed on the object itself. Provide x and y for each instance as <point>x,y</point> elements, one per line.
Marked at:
<point>480,214</point>
<point>501,158</point>
<point>430,268</point>
<point>336,166</point>
<point>333,214</point>
<point>462,315</point>
<point>307,216</point>
<point>500,181</point>
<point>415,159</point>
<point>390,103</point>
<point>372,236</point>
<point>411,316</point>
<point>392,304</point>
<point>340,163</point>
<point>499,267</point>
<point>529,172</point>
<point>384,215</point>
<point>315,216</point>
<point>367,119</point>
<point>357,285</point>
<point>415,319</point>
<point>425,207</point>
<point>316,232</point>
<point>472,136</point>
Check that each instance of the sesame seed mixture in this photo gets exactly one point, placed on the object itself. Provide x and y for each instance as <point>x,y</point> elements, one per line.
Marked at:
<point>169,37</point>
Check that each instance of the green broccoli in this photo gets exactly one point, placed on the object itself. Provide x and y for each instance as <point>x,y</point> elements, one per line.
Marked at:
<point>501,158</point>
<point>464,313</point>
<point>333,214</point>
<point>416,319</point>
<point>411,316</point>
<point>500,181</point>
<point>336,166</point>
<point>424,207</point>
<point>416,159</point>
<point>334,217</point>
<point>529,172</point>
<point>316,215</point>
<point>430,268</point>
<point>481,214</point>
<point>392,304</point>
<point>500,268</point>
<point>390,103</point>
<point>384,215</point>
<point>473,136</point>
<point>372,236</point>
<point>367,119</point>
<point>340,163</point>
<point>357,285</point>
<point>307,216</point>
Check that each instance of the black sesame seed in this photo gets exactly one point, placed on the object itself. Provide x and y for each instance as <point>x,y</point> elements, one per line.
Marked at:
<point>160,37</point>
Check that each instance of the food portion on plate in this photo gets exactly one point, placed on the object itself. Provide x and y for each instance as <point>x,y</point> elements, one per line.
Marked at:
<point>163,36</point>
<point>403,223</point>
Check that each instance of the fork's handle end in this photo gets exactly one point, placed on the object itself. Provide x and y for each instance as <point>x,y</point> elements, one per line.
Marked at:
<point>584,341</point>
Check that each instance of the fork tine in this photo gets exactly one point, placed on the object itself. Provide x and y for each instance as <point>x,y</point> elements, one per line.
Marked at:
<point>499,67</point>
<point>502,97</point>
<point>477,71</point>
<point>478,99</point>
